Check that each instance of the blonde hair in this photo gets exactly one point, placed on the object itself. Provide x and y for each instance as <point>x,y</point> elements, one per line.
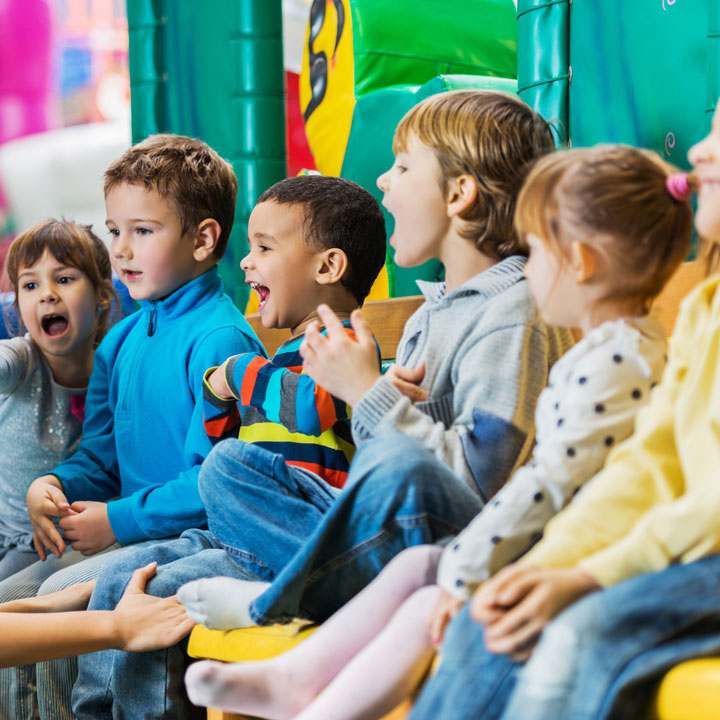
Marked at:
<point>616,195</point>
<point>495,138</point>
<point>73,245</point>
<point>188,174</point>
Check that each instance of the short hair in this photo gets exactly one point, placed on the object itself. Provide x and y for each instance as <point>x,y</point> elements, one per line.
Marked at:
<point>617,195</point>
<point>338,213</point>
<point>73,245</point>
<point>495,138</point>
<point>187,173</point>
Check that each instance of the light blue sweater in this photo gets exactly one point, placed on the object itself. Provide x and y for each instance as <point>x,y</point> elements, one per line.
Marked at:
<point>143,435</point>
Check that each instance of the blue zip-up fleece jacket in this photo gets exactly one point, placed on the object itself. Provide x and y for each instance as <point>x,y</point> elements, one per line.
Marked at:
<point>143,435</point>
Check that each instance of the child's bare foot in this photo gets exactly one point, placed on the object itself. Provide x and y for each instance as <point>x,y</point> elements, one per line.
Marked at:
<point>253,688</point>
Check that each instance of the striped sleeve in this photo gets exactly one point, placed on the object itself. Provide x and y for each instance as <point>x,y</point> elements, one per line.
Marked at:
<point>283,395</point>
<point>221,417</point>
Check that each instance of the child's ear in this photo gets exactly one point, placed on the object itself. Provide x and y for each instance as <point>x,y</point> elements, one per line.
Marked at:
<point>333,264</point>
<point>206,239</point>
<point>461,193</point>
<point>584,261</point>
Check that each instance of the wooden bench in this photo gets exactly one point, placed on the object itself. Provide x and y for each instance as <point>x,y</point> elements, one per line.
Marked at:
<point>689,692</point>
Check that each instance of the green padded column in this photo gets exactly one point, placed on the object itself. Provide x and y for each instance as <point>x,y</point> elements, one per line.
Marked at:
<point>214,71</point>
<point>147,67</point>
<point>713,75</point>
<point>639,74</point>
<point>543,73</point>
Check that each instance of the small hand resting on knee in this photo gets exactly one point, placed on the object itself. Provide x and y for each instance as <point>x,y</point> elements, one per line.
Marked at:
<point>49,627</point>
<point>517,603</point>
<point>221,603</point>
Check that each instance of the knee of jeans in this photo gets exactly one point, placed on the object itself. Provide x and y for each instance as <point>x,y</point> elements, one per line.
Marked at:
<point>226,460</point>
<point>554,662</point>
<point>390,460</point>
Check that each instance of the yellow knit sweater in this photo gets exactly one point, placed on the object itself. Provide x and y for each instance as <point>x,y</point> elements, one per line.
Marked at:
<point>657,501</point>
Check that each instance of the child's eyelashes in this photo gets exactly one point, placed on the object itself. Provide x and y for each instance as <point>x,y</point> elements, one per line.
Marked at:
<point>29,286</point>
<point>115,232</point>
<point>65,279</point>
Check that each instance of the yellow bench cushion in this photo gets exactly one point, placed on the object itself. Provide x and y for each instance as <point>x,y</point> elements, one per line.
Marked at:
<point>690,691</point>
<point>255,643</point>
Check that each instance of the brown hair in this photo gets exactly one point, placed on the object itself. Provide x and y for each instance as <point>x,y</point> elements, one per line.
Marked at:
<point>493,137</point>
<point>73,245</point>
<point>187,173</point>
<point>616,195</point>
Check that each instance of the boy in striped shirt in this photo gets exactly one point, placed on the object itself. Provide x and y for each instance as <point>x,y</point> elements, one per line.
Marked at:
<point>313,240</point>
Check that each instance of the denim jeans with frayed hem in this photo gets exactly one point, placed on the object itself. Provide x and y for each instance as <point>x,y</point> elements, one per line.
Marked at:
<point>398,495</point>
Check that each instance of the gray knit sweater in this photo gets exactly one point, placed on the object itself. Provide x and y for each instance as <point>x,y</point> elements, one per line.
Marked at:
<point>487,354</point>
<point>37,431</point>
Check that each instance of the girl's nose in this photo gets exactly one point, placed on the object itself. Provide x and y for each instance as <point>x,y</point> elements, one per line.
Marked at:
<point>49,294</point>
<point>699,153</point>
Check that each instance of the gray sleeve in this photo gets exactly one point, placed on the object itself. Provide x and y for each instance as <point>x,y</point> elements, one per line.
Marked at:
<point>579,422</point>
<point>16,362</point>
<point>481,429</point>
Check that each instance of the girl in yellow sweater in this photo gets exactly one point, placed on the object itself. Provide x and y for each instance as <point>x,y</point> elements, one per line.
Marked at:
<point>641,541</point>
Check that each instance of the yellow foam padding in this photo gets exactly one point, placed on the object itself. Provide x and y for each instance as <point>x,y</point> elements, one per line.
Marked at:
<point>255,643</point>
<point>690,691</point>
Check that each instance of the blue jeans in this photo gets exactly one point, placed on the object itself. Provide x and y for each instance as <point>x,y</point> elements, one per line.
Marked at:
<point>261,513</point>
<point>258,498</point>
<point>601,658</point>
<point>397,495</point>
<point>470,682</point>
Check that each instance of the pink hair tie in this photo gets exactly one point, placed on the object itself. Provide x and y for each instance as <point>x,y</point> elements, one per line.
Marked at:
<point>678,187</point>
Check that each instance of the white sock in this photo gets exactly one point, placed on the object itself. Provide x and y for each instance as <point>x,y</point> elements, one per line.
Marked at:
<point>221,603</point>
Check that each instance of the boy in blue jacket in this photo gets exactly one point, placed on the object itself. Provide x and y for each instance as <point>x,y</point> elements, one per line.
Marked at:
<point>170,204</point>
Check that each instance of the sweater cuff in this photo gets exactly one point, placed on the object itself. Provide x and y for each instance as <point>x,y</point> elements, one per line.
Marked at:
<point>122,521</point>
<point>375,404</point>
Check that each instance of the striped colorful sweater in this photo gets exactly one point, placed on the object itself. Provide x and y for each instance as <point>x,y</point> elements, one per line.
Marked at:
<point>279,408</point>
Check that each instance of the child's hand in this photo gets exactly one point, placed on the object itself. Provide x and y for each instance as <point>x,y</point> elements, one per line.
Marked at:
<point>407,381</point>
<point>46,500</point>
<point>144,622</point>
<point>346,369</point>
<point>522,602</point>
<point>218,384</point>
<point>88,528</point>
<point>446,609</point>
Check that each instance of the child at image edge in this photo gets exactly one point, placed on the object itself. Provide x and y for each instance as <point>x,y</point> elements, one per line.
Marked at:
<point>61,275</point>
<point>170,204</point>
<point>588,268</point>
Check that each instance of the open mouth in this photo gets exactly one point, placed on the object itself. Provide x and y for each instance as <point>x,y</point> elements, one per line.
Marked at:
<point>263,294</point>
<point>54,325</point>
<point>132,274</point>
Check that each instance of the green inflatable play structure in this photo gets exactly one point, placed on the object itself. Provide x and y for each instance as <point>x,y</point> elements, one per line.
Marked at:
<point>644,73</point>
